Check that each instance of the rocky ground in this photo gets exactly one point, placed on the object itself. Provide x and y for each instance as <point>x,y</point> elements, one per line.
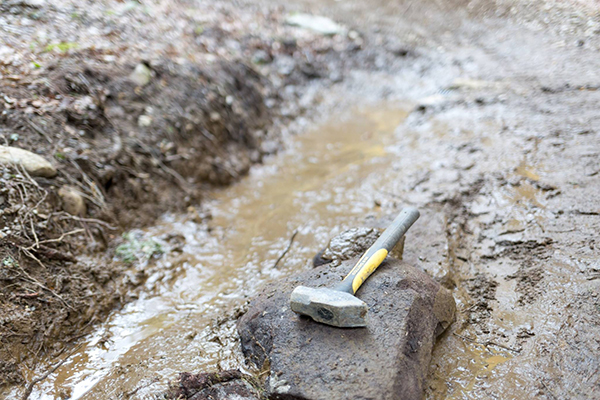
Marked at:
<point>141,107</point>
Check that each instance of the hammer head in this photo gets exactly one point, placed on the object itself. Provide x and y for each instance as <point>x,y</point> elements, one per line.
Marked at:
<point>328,306</point>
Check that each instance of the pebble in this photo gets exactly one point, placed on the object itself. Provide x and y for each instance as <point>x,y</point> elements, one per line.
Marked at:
<point>72,200</point>
<point>141,75</point>
<point>34,164</point>
<point>261,57</point>
<point>316,23</point>
<point>144,121</point>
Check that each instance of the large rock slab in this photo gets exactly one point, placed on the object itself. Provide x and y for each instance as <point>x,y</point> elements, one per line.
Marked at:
<point>388,359</point>
<point>32,163</point>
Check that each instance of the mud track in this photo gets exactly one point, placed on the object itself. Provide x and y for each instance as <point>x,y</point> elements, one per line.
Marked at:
<point>136,133</point>
<point>500,151</point>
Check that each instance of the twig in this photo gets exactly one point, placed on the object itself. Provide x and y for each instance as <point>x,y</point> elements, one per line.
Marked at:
<point>96,195</point>
<point>29,180</point>
<point>90,220</point>
<point>59,239</point>
<point>36,282</point>
<point>183,184</point>
<point>468,308</point>
<point>548,391</point>
<point>37,241</point>
<point>27,295</point>
<point>45,194</point>
<point>287,248</point>
<point>54,254</point>
<point>37,380</point>
<point>38,130</point>
<point>142,386</point>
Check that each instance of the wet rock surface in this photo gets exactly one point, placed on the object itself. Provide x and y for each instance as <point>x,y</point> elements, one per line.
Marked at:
<point>388,359</point>
<point>224,385</point>
<point>352,243</point>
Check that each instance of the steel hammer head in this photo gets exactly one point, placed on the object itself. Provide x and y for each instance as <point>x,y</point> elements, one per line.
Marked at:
<point>328,306</point>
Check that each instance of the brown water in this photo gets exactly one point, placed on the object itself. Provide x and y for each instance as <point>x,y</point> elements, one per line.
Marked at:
<point>320,185</point>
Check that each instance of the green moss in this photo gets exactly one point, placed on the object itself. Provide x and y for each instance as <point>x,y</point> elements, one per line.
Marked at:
<point>134,249</point>
<point>62,46</point>
<point>8,262</point>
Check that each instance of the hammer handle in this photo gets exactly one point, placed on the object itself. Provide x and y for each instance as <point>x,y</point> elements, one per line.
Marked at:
<point>375,255</point>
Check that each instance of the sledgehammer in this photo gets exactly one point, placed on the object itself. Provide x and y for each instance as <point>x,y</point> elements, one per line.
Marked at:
<point>338,306</point>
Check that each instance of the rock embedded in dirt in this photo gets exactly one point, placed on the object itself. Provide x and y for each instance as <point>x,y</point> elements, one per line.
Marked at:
<point>317,23</point>
<point>72,200</point>
<point>32,163</point>
<point>388,359</point>
<point>352,243</point>
<point>141,75</point>
<point>144,121</point>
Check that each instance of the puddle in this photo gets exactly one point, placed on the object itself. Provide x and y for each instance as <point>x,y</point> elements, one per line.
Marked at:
<point>316,188</point>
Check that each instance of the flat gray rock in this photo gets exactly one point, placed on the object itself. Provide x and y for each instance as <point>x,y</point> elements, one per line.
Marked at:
<point>388,359</point>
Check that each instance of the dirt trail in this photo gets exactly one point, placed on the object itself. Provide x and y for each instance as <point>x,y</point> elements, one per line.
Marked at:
<point>136,125</point>
<point>500,151</point>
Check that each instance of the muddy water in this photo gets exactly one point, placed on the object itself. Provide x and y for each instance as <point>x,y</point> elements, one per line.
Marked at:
<point>309,192</point>
<point>331,178</point>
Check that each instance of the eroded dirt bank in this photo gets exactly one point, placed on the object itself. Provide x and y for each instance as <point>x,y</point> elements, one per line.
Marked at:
<point>499,150</point>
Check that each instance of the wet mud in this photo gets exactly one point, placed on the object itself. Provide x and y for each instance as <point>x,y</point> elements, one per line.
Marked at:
<point>189,302</point>
<point>482,116</point>
<point>131,134</point>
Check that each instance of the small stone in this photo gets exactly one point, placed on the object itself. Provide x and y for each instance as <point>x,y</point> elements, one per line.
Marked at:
<point>317,23</point>
<point>285,65</point>
<point>72,200</point>
<point>336,76</point>
<point>33,3</point>
<point>261,57</point>
<point>34,164</point>
<point>141,75</point>
<point>430,102</point>
<point>144,121</point>
<point>269,147</point>
<point>472,84</point>
<point>353,35</point>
